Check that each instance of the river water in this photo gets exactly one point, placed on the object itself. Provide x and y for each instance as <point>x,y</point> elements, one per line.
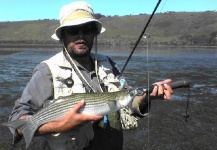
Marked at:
<point>164,128</point>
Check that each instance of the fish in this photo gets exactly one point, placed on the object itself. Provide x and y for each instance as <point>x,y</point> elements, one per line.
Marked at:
<point>95,104</point>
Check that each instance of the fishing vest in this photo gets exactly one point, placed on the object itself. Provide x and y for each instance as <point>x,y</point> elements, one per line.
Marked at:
<point>62,70</point>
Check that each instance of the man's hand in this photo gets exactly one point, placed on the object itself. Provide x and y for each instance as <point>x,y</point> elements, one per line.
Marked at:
<point>162,90</point>
<point>73,118</point>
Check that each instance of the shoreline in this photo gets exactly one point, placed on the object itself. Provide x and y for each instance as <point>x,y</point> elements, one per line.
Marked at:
<point>58,46</point>
<point>49,44</point>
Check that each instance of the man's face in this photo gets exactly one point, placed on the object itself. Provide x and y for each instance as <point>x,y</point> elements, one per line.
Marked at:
<point>78,40</point>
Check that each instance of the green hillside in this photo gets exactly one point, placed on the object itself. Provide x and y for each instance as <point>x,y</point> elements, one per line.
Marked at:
<point>171,28</point>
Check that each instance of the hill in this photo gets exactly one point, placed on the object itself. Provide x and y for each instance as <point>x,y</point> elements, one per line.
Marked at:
<point>171,28</point>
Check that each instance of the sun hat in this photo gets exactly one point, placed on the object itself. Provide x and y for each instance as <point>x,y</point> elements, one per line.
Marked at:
<point>76,13</point>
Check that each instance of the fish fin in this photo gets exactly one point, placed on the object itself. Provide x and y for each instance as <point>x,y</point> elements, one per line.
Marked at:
<point>26,126</point>
<point>15,124</point>
<point>111,103</point>
<point>29,131</point>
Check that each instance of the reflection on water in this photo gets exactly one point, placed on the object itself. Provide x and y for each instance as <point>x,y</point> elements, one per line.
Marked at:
<point>16,70</point>
<point>197,65</point>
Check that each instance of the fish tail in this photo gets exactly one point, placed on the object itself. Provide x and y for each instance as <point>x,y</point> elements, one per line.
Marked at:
<point>26,126</point>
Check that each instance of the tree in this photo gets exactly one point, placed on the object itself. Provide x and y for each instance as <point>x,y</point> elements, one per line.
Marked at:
<point>98,15</point>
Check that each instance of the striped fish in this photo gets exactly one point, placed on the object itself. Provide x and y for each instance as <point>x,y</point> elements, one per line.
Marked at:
<point>95,104</point>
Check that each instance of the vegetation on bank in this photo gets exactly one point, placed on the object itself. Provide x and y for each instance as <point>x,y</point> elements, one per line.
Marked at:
<point>171,28</point>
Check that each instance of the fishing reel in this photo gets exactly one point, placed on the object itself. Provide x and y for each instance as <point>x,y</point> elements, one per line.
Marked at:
<point>140,91</point>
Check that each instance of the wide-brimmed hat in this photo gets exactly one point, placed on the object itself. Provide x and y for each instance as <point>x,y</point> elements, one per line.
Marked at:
<point>76,13</point>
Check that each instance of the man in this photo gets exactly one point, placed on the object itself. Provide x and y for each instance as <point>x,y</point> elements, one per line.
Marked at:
<point>77,70</point>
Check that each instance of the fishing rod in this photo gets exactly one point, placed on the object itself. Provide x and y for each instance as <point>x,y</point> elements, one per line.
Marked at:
<point>173,85</point>
<point>149,20</point>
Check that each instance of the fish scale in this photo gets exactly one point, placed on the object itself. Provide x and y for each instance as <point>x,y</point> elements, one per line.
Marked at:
<point>93,106</point>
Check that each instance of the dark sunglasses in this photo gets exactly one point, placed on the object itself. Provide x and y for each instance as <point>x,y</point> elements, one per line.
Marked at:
<point>86,29</point>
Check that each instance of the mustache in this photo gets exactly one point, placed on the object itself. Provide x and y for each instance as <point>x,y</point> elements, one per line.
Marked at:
<point>80,41</point>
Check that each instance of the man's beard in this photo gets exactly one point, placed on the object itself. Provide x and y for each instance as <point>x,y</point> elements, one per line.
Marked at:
<point>76,54</point>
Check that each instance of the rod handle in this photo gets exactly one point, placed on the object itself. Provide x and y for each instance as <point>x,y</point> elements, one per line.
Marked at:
<point>180,84</point>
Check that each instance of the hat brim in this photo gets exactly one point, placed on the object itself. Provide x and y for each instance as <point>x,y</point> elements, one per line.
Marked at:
<point>56,35</point>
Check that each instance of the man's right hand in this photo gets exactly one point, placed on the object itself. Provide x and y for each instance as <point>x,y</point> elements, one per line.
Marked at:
<point>69,121</point>
<point>73,118</point>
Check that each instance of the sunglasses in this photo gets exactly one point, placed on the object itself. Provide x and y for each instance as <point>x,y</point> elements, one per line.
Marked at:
<point>85,29</point>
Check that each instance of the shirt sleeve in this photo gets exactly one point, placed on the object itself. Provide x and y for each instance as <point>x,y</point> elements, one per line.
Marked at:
<point>38,90</point>
<point>139,111</point>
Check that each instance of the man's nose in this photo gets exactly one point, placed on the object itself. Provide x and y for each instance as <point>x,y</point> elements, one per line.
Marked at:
<point>80,33</point>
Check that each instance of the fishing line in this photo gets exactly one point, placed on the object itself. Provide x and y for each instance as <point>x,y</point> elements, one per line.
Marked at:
<point>137,42</point>
<point>186,116</point>
<point>146,36</point>
<point>141,35</point>
<point>147,65</point>
<point>156,18</point>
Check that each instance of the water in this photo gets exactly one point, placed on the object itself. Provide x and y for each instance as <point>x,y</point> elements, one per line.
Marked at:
<point>197,65</point>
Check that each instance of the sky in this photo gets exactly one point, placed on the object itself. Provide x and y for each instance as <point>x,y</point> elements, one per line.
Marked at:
<point>21,10</point>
